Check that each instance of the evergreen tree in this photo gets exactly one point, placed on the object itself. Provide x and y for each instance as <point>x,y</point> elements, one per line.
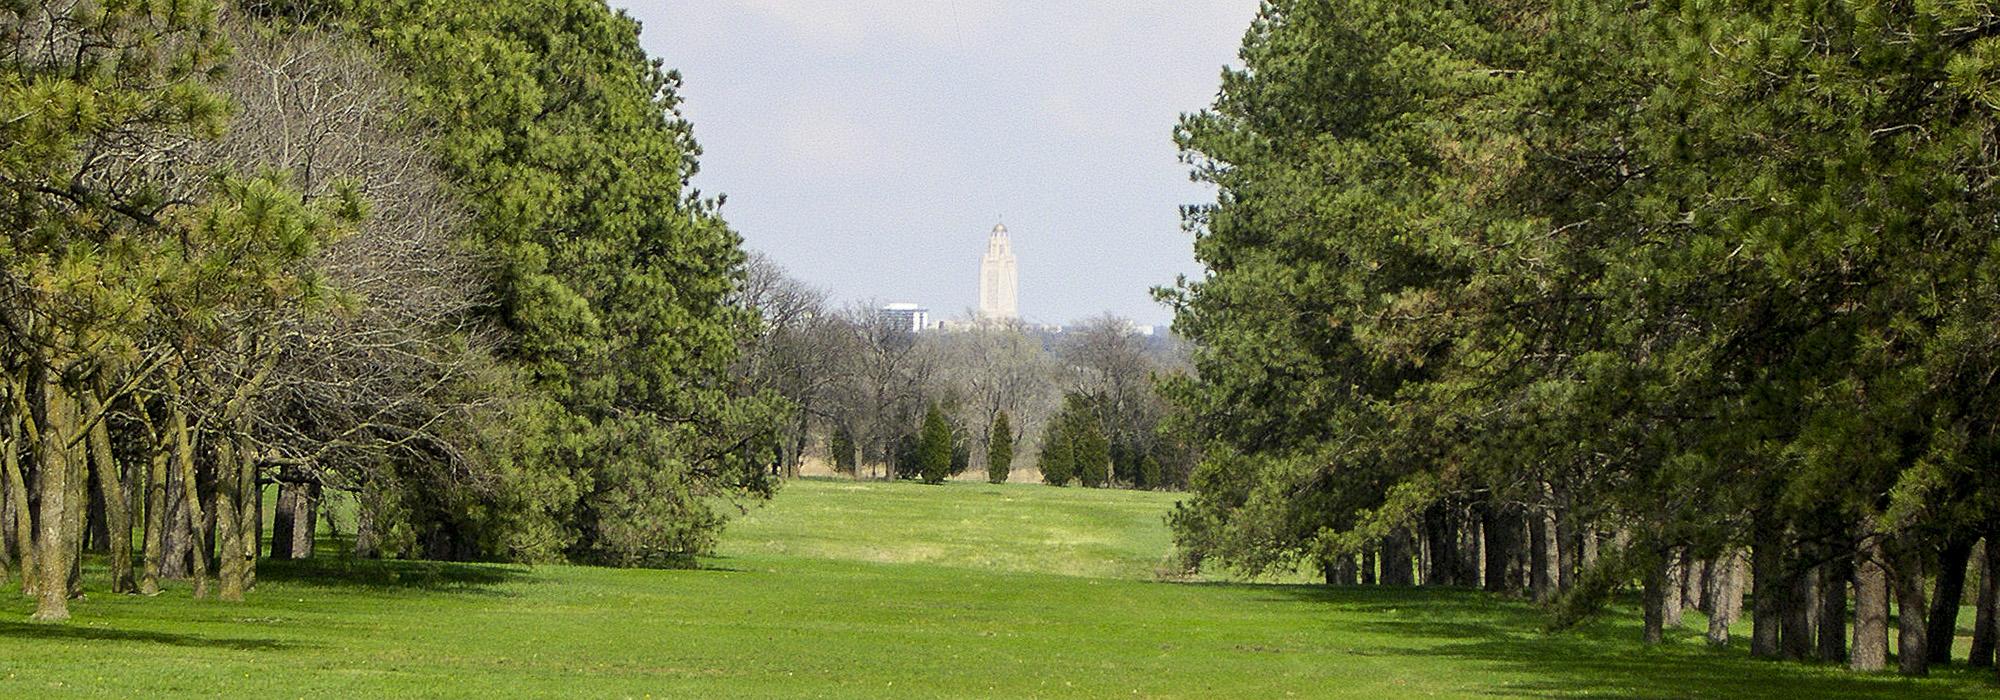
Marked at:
<point>841,444</point>
<point>934,447</point>
<point>1000,449</point>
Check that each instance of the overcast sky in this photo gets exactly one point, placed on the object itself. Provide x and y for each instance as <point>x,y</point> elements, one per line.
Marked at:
<point>869,146</point>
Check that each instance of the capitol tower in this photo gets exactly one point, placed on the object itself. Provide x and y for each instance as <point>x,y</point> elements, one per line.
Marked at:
<point>999,283</point>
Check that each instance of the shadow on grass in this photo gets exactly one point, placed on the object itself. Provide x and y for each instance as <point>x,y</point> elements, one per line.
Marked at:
<point>1604,658</point>
<point>50,633</point>
<point>391,576</point>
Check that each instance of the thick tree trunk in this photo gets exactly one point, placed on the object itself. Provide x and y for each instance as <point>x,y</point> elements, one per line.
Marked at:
<point>229,534</point>
<point>1906,577</point>
<point>155,492</point>
<point>60,517</point>
<point>306,526</point>
<point>282,519</point>
<point>1798,643</point>
<point>1569,549</point>
<point>1368,567</point>
<point>1834,577</point>
<point>1871,608</point>
<point>1670,594</point>
<point>1338,571</point>
<point>1768,588</point>
<point>176,539</point>
<point>1694,581</point>
<point>1498,525</point>
<point>1396,569</point>
<point>1725,584</point>
<point>1658,579</point>
<point>117,512</point>
<point>1986,621</point>
<point>1943,618</point>
<point>1471,549</point>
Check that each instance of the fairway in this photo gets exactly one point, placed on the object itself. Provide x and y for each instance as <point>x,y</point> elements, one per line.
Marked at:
<point>840,589</point>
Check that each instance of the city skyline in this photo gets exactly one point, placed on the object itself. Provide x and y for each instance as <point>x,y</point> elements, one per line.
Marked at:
<point>867,147</point>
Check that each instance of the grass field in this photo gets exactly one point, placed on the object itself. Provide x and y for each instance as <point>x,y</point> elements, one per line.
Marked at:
<point>839,589</point>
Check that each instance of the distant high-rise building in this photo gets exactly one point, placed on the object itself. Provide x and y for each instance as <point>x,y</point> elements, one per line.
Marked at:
<point>909,317</point>
<point>999,282</point>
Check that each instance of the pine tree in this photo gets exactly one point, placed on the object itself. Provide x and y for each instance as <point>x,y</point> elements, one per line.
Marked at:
<point>934,447</point>
<point>999,449</point>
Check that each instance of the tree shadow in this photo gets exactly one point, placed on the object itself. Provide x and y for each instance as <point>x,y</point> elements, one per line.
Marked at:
<point>392,576</point>
<point>47,632</point>
<point>1604,658</point>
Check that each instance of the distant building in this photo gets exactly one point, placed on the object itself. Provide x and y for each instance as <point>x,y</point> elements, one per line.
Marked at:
<point>910,317</point>
<point>999,281</point>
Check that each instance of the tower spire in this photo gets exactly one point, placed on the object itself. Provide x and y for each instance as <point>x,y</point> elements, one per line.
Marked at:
<point>999,280</point>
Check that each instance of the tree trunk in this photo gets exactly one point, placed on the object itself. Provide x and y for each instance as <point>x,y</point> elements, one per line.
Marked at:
<point>155,493</point>
<point>1368,567</point>
<point>56,541</point>
<point>1871,608</point>
<point>1498,528</point>
<point>366,544</point>
<point>282,519</point>
<point>1834,577</point>
<point>1725,584</point>
<point>22,526</point>
<point>1441,543</point>
<point>1768,588</point>
<point>1541,575</point>
<point>1694,582</point>
<point>1797,642</point>
<point>117,511</point>
<point>1670,594</point>
<point>1943,617</point>
<point>1396,569</point>
<point>183,440</point>
<point>1569,549</point>
<point>176,538</point>
<point>306,529</point>
<point>1658,579</point>
<point>1906,575</point>
<point>1470,548</point>
<point>229,534</point>
<point>1986,623</point>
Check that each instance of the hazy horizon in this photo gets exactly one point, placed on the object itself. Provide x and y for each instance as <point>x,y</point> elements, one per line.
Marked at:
<point>870,147</point>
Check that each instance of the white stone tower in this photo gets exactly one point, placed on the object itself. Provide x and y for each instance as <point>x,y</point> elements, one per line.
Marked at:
<point>999,282</point>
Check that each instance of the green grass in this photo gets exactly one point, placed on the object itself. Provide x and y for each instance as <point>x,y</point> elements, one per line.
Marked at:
<point>876,590</point>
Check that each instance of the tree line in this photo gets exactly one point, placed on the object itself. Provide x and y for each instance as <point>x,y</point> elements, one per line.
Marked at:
<point>438,259</point>
<point>1563,299</point>
<point>874,396</point>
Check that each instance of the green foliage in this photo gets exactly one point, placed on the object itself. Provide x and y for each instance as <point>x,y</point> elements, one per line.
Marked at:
<point>1074,446</point>
<point>841,444</point>
<point>934,447</point>
<point>614,274</point>
<point>907,458</point>
<point>1671,269</point>
<point>1000,449</point>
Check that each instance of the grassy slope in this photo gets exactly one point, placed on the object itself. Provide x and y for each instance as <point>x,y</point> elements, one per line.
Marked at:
<point>844,590</point>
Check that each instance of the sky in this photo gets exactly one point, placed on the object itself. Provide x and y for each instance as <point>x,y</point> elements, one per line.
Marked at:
<point>869,146</point>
